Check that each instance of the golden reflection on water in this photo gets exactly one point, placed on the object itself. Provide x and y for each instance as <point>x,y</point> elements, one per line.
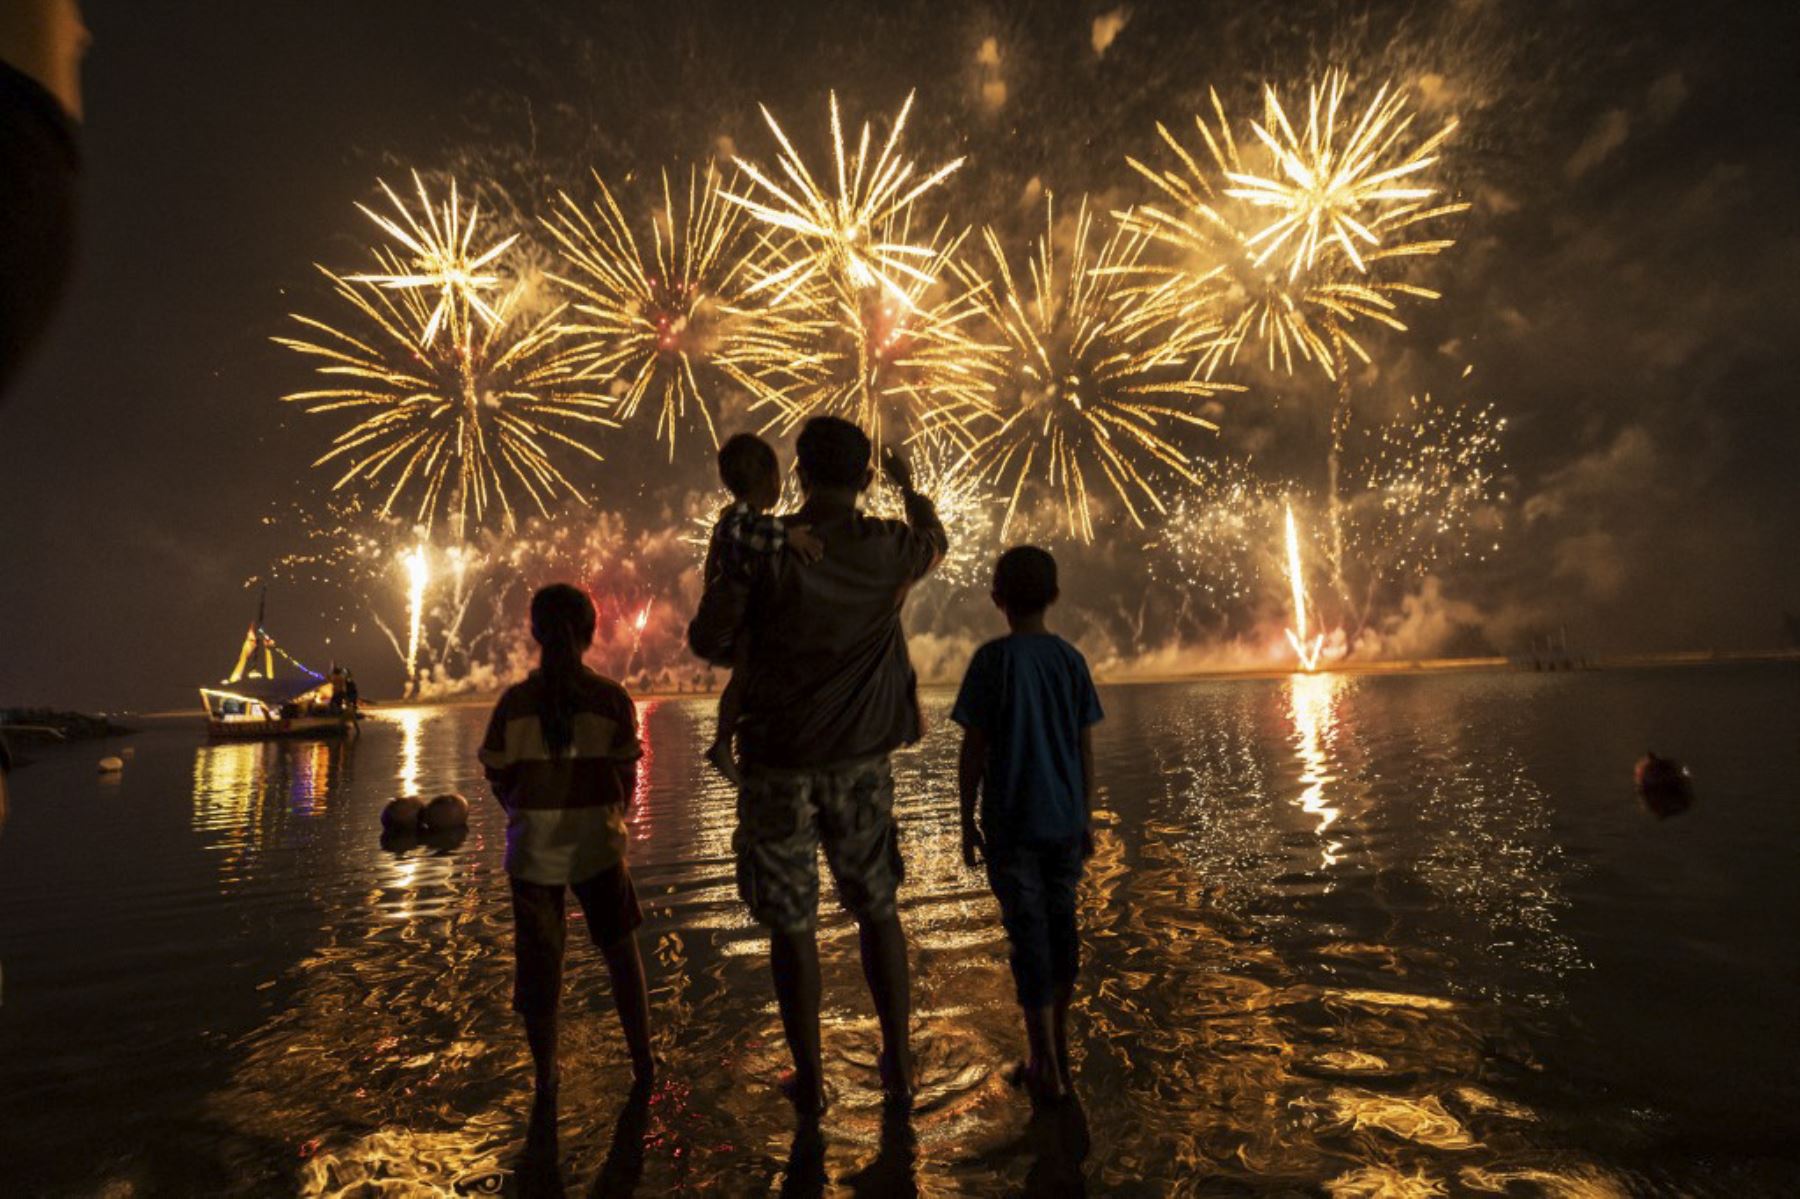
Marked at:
<point>1319,1051</point>
<point>1313,702</point>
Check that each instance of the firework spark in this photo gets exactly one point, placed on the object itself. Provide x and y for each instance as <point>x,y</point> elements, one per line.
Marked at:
<point>674,320</point>
<point>1288,242</point>
<point>1097,389</point>
<point>847,233</point>
<point>442,258</point>
<point>1306,648</point>
<point>452,406</point>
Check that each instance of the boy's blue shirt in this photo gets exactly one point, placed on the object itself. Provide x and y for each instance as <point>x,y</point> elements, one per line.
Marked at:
<point>1031,693</point>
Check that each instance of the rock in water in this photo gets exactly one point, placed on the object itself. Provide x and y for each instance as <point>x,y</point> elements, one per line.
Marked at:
<point>446,811</point>
<point>402,813</point>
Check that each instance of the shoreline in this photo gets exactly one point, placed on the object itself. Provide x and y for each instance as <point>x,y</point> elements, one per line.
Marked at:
<point>1392,666</point>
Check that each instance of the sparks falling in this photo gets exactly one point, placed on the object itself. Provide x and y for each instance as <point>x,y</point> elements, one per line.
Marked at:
<point>1306,649</point>
<point>1098,399</point>
<point>1290,240</point>
<point>459,403</point>
<point>673,321</point>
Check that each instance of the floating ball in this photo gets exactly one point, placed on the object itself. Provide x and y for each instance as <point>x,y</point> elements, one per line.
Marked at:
<point>446,811</point>
<point>111,765</point>
<point>402,813</point>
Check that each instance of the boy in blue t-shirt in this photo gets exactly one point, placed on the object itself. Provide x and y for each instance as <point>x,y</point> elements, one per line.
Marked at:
<point>1027,708</point>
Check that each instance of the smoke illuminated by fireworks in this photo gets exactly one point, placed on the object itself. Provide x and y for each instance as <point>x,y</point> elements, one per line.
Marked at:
<point>675,324</point>
<point>458,402</point>
<point>1285,237</point>
<point>847,234</point>
<point>1097,394</point>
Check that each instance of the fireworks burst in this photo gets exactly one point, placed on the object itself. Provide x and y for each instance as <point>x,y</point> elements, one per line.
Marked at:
<point>457,402</point>
<point>1287,241</point>
<point>1097,388</point>
<point>847,235</point>
<point>442,259</point>
<point>676,324</point>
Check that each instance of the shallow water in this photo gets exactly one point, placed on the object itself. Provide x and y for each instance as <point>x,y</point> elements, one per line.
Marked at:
<point>1379,936</point>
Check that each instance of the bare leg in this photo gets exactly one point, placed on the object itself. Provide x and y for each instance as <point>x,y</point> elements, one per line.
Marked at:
<point>794,961</point>
<point>631,995</point>
<point>883,944</point>
<point>540,1034</point>
<point>1064,1068</point>
<point>1041,1074</point>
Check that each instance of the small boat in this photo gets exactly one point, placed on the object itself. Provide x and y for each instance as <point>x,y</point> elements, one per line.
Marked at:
<point>255,701</point>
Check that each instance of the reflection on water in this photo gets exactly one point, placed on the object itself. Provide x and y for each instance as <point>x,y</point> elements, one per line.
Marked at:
<point>1313,699</point>
<point>1341,936</point>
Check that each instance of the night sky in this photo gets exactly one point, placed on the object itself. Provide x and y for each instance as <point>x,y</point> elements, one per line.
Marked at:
<point>1624,285</point>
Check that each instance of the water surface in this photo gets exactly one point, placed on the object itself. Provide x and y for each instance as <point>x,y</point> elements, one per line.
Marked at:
<point>1379,936</point>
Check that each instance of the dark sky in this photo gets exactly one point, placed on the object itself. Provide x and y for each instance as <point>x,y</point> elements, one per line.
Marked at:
<point>1624,283</point>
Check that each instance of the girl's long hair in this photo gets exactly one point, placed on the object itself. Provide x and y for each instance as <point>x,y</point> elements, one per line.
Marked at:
<point>562,623</point>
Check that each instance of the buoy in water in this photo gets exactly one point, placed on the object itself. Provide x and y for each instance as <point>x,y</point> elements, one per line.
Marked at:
<point>111,765</point>
<point>446,811</point>
<point>1664,785</point>
<point>402,813</point>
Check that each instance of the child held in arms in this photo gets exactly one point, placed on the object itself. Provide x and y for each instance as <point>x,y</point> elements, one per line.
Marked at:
<point>562,754</point>
<point>1027,708</point>
<point>751,472</point>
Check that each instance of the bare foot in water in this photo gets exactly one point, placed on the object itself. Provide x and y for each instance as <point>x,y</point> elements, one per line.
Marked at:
<point>809,1102</point>
<point>722,760</point>
<point>1040,1080</point>
<point>897,1081</point>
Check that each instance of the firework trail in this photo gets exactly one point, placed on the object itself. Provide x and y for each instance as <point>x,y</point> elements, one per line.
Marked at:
<point>457,402</point>
<point>1285,239</point>
<point>1097,393</point>
<point>673,321</point>
<point>418,577</point>
<point>1306,648</point>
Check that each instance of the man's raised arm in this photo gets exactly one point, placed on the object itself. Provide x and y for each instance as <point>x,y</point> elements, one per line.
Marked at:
<point>927,542</point>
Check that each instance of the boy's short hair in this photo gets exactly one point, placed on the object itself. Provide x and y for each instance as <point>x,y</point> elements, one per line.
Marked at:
<point>833,452</point>
<point>1025,579</point>
<point>745,460</point>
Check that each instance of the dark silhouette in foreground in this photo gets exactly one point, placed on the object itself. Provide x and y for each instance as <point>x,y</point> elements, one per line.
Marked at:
<point>562,754</point>
<point>1664,785</point>
<point>828,693</point>
<point>1027,707</point>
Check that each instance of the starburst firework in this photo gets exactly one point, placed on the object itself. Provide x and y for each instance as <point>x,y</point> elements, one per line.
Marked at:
<point>1284,239</point>
<point>846,235</point>
<point>1095,385</point>
<point>457,402</point>
<point>673,321</point>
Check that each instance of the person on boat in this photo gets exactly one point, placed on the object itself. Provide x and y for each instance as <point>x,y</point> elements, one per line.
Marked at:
<point>337,688</point>
<point>828,693</point>
<point>562,753</point>
<point>352,697</point>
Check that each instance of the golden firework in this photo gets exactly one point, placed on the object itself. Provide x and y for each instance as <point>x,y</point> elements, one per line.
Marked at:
<point>1095,383</point>
<point>442,258</point>
<point>457,402</point>
<point>672,320</point>
<point>846,229</point>
<point>1284,243</point>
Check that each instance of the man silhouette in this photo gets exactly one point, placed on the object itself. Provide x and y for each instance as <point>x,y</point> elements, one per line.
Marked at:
<point>828,693</point>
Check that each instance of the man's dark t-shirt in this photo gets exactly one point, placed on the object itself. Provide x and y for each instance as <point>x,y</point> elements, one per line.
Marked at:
<point>827,679</point>
<point>1031,694</point>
